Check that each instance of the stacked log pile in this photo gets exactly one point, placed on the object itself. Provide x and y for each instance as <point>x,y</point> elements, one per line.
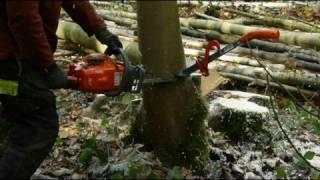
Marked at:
<point>292,61</point>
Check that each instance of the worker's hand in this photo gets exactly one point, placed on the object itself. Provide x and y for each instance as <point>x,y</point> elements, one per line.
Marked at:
<point>111,40</point>
<point>55,77</point>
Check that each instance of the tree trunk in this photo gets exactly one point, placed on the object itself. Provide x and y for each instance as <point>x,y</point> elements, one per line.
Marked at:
<point>172,120</point>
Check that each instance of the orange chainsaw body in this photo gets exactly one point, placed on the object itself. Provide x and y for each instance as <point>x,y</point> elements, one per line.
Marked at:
<point>97,73</point>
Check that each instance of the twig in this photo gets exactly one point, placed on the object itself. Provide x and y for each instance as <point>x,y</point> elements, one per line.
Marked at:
<point>283,88</point>
<point>207,17</point>
<point>276,117</point>
<point>303,21</point>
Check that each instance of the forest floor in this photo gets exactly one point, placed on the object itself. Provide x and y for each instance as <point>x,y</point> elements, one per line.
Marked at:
<point>91,143</point>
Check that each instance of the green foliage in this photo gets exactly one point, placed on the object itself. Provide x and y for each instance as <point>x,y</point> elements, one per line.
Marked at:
<point>281,173</point>
<point>136,172</point>
<point>91,149</point>
<point>105,122</point>
<point>126,100</point>
<point>175,173</point>
<point>140,171</point>
<point>314,125</point>
<point>86,156</point>
<point>117,175</point>
<point>301,117</point>
<point>309,155</point>
<point>91,143</point>
<point>299,162</point>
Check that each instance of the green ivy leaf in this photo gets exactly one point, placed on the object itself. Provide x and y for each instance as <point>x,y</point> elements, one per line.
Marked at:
<point>281,173</point>
<point>309,155</point>
<point>86,156</point>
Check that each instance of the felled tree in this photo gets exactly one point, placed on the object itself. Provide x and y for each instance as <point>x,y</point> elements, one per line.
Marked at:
<point>172,119</point>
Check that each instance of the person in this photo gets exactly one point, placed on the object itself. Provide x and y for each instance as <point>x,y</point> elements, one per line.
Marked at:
<point>28,72</point>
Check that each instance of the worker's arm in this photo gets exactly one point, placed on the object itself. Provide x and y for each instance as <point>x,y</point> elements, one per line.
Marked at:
<point>27,29</point>
<point>84,14</point>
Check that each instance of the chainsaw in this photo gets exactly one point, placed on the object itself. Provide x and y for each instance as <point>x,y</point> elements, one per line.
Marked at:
<point>99,73</point>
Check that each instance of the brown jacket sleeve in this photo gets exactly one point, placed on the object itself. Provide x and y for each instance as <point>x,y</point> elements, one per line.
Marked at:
<point>27,29</point>
<point>84,14</point>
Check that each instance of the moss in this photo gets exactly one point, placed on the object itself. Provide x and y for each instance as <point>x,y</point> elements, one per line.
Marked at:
<point>137,130</point>
<point>190,151</point>
<point>195,148</point>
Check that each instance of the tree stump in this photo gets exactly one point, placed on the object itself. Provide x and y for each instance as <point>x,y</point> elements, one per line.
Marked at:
<point>238,114</point>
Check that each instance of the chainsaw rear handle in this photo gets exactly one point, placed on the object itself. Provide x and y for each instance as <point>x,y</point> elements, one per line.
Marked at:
<point>261,34</point>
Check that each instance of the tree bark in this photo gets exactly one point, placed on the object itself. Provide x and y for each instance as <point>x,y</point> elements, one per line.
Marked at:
<point>172,120</point>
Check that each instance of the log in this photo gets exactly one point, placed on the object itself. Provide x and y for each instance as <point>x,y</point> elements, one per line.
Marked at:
<point>264,83</point>
<point>277,22</point>
<point>244,21</point>
<point>240,3</point>
<point>120,20</point>
<point>250,62</point>
<point>289,59</point>
<point>113,5</point>
<point>303,21</point>
<point>73,33</point>
<point>287,77</point>
<point>282,58</point>
<point>206,16</point>
<point>133,51</point>
<point>263,45</point>
<point>124,14</point>
<point>306,40</point>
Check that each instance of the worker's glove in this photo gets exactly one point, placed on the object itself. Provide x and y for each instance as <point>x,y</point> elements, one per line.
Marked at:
<point>111,40</point>
<point>55,77</point>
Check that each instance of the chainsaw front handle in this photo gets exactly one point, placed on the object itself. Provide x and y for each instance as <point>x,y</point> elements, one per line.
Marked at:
<point>261,34</point>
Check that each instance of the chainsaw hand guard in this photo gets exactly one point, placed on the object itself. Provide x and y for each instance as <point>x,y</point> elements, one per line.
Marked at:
<point>203,64</point>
